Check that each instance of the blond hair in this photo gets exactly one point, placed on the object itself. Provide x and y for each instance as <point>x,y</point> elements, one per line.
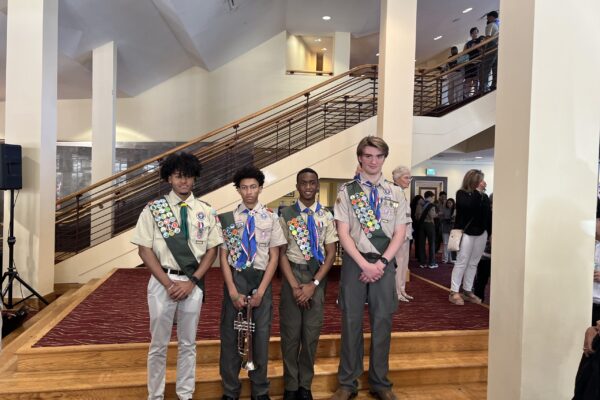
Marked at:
<point>471,180</point>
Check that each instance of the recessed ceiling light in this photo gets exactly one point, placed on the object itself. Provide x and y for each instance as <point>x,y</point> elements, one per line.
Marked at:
<point>324,49</point>
<point>478,157</point>
<point>377,55</point>
<point>317,39</point>
<point>326,17</point>
<point>466,10</point>
<point>438,37</point>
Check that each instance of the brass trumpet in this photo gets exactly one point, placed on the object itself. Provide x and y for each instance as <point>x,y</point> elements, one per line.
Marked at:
<point>245,328</point>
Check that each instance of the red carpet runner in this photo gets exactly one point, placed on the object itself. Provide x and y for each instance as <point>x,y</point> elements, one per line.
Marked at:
<point>117,311</point>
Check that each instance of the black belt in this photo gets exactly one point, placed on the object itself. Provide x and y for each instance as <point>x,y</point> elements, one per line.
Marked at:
<point>300,267</point>
<point>371,257</point>
<point>173,271</point>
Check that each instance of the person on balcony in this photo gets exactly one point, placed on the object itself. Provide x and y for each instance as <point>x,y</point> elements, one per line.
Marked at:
<point>455,78</point>
<point>249,258</point>
<point>177,236</point>
<point>472,67</point>
<point>490,63</point>
<point>305,261</point>
<point>371,216</point>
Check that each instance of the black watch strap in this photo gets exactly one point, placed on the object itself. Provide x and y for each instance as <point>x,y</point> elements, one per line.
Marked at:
<point>384,260</point>
<point>194,280</point>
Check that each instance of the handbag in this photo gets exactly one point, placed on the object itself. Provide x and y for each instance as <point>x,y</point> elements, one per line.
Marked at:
<point>456,237</point>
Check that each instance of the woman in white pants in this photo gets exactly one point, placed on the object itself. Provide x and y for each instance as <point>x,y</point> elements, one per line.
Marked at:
<point>402,178</point>
<point>473,217</point>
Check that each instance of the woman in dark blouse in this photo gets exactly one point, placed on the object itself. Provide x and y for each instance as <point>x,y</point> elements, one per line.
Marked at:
<point>473,215</point>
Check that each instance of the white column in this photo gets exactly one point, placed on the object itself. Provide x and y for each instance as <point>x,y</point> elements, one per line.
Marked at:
<point>546,167</point>
<point>396,80</point>
<point>31,71</point>
<point>341,52</point>
<point>104,88</point>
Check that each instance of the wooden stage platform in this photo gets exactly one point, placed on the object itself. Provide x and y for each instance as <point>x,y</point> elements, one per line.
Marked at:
<point>423,365</point>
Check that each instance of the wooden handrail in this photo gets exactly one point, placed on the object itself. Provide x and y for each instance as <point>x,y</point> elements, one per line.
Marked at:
<point>422,71</point>
<point>215,132</point>
<point>300,71</point>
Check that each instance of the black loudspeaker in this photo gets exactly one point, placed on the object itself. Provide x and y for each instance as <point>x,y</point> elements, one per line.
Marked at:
<point>10,167</point>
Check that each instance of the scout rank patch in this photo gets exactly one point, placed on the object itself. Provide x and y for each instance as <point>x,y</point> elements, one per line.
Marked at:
<point>164,217</point>
<point>299,232</point>
<point>366,216</point>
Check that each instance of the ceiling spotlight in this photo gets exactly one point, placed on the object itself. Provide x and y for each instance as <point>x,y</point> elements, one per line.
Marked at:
<point>324,49</point>
<point>438,37</point>
<point>466,10</point>
<point>326,17</point>
<point>478,157</point>
<point>317,39</point>
<point>377,55</point>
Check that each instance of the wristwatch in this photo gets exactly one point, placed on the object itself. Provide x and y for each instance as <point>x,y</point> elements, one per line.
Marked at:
<point>316,282</point>
<point>384,260</point>
<point>195,280</point>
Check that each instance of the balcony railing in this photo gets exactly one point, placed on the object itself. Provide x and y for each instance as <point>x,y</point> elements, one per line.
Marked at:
<point>457,81</point>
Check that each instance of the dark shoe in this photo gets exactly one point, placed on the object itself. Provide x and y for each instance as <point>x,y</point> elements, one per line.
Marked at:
<point>261,397</point>
<point>290,394</point>
<point>229,398</point>
<point>384,394</point>
<point>304,394</point>
<point>343,394</point>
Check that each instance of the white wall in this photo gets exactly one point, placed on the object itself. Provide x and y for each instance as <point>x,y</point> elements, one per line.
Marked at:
<point>194,102</point>
<point>455,171</point>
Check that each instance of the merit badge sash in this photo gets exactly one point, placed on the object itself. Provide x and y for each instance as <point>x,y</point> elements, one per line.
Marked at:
<point>233,240</point>
<point>176,242</point>
<point>299,231</point>
<point>369,223</point>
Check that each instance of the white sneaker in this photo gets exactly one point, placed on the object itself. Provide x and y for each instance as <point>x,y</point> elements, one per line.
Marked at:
<point>402,298</point>
<point>422,266</point>
<point>433,266</point>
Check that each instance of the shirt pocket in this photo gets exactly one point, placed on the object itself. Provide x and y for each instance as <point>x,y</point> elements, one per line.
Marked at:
<point>263,235</point>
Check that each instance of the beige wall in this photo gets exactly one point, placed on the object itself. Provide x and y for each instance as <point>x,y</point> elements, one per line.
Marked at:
<point>299,56</point>
<point>193,102</point>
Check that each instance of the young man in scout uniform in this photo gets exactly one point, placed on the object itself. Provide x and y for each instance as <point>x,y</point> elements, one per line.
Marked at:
<point>249,259</point>
<point>178,237</point>
<point>371,216</point>
<point>304,261</point>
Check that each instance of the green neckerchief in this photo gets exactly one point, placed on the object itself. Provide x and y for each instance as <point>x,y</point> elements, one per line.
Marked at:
<point>233,240</point>
<point>294,220</point>
<point>366,216</point>
<point>167,224</point>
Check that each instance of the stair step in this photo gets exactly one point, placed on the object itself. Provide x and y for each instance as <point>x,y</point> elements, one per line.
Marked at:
<point>101,357</point>
<point>405,370</point>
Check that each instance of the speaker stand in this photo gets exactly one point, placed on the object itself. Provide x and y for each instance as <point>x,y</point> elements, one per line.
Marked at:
<point>12,275</point>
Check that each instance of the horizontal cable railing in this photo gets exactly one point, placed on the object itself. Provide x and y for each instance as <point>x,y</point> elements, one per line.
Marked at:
<point>457,81</point>
<point>103,210</point>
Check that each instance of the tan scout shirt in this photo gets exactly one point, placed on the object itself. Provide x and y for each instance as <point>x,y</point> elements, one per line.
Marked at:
<point>325,228</point>
<point>267,231</point>
<point>204,231</point>
<point>409,225</point>
<point>394,211</point>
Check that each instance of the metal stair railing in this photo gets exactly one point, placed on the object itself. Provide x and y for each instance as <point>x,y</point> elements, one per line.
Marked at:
<point>111,206</point>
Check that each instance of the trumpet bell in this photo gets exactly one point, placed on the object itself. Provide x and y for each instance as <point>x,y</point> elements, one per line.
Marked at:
<point>249,366</point>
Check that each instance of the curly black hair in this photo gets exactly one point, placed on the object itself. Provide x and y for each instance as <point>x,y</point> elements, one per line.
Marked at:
<point>248,172</point>
<point>186,164</point>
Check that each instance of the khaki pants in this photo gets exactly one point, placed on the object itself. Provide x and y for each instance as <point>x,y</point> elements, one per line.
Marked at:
<point>162,312</point>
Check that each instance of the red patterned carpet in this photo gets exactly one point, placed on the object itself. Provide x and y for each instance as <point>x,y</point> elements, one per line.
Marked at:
<point>117,312</point>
